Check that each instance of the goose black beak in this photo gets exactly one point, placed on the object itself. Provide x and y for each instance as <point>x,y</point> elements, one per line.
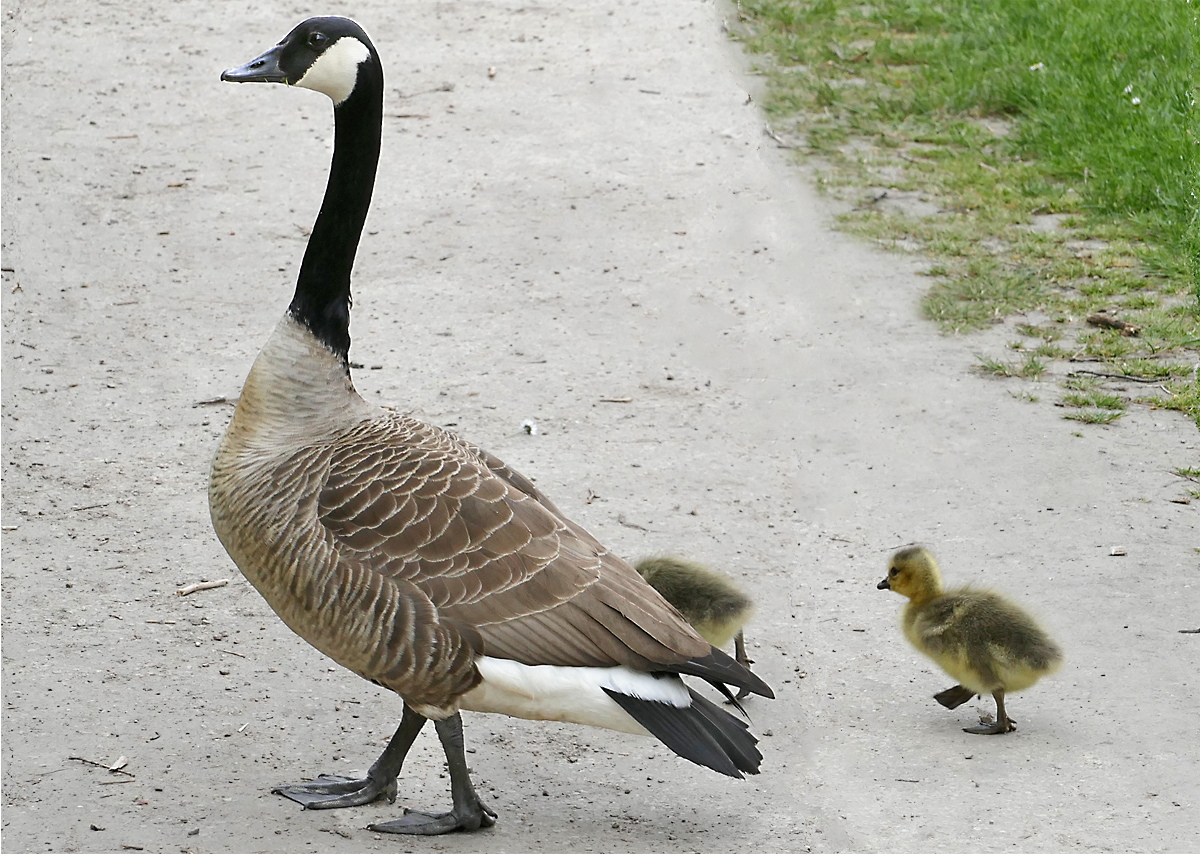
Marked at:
<point>264,69</point>
<point>883,585</point>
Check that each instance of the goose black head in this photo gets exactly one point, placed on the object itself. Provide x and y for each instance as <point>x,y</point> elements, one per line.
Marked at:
<point>323,54</point>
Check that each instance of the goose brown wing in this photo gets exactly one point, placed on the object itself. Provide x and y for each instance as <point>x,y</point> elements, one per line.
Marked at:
<point>418,505</point>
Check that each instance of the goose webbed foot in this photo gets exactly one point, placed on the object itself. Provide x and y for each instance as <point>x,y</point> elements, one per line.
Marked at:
<point>469,812</point>
<point>420,823</point>
<point>331,791</point>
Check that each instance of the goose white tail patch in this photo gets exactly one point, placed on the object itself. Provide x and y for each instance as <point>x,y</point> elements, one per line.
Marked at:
<point>336,70</point>
<point>572,694</point>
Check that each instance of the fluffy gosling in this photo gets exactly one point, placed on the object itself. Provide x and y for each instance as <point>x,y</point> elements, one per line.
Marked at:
<point>989,644</point>
<point>709,600</point>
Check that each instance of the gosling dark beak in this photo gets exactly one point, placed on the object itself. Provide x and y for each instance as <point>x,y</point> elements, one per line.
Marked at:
<point>264,69</point>
<point>883,585</point>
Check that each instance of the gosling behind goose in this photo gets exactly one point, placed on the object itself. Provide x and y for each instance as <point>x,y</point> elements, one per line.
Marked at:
<point>709,600</point>
<point>414,558</point>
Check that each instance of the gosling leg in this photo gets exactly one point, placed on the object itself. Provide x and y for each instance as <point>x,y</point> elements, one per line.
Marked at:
<point>739,649</point>
<point>1003,722</point>
<point>469,812</point>
<point>329,791</point>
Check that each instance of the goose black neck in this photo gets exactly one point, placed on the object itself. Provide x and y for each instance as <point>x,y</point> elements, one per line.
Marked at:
<point>322,299</point>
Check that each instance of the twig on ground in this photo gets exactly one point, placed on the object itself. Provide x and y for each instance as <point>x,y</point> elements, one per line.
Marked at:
<point>102,765</point>
<point>1116,376</point>
<point>780,141</point>
<point>201,585</point>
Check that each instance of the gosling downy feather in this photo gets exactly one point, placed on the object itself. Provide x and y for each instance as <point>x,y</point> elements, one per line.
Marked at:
<point>412,557</point>
<point>709,600</point>
<point>989,644</point>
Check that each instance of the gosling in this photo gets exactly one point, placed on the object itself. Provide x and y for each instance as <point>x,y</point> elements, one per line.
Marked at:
<point>709,600</point>
<point>980,638</point>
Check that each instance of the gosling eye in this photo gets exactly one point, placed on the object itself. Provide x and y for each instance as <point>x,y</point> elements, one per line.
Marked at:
<point>893,572</point>
<point>317,39</point>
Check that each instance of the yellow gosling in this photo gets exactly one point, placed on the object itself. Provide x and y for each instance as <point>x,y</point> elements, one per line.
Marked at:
<point>709,600</point>
<point>989,644</point>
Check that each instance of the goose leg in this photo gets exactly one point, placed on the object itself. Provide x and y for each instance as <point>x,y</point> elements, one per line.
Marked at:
<point>739,654</point>
<point>1003,722</point>
<point>469,812</point>
<point>329,791</point>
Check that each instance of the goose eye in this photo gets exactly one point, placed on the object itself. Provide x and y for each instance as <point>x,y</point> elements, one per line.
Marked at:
<point>893,572</point>
<point>317,39</point>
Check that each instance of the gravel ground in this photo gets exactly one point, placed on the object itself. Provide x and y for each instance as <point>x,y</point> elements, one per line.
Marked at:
<point>599,239</point>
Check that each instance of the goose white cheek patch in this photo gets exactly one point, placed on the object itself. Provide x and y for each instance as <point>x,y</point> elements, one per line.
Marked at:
<point>336,70</point>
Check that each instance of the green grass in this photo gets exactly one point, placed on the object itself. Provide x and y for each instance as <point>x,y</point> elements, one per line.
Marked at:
<point>957,125</point>
<point>1031,368</point>
<point>1094,416</point>
<point>1096,399</point>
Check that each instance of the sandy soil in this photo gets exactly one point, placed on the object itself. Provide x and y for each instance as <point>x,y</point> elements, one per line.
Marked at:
<point>602,220</point>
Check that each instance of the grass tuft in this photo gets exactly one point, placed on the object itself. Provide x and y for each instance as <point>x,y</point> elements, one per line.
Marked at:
<point>1098,400</point>
<point>1042,153</point>
<point>1095,416</point>
<point>1031,368</point>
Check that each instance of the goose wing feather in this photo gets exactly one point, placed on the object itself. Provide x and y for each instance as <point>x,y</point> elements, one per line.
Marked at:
<point>427,512</point>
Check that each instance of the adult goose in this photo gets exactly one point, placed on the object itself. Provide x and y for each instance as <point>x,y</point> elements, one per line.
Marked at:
<point>414,558</point>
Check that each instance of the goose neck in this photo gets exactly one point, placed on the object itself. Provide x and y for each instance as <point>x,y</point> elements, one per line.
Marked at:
<point>322,299</point>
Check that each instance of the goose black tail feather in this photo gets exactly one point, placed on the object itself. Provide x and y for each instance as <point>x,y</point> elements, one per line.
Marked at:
<point>718,667</point>
<point>703,732</point>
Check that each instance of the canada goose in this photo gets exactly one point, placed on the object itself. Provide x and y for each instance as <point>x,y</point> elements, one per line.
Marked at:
<point>709,600</point>
<point>414,558</point>
<point>980,638</point>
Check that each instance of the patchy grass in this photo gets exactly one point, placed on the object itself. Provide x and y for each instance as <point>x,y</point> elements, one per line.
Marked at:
<point>1042,153</point>
<point>1184,395</point>
<point>1031,368</point>
<point>1094,399</point>
<point>1095,416</point>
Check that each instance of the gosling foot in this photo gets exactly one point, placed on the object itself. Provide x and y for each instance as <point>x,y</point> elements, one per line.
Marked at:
<point>998,728</point>
<point>419,823</point>
<point>954,697</point>
<point>1003,722</point>
<point>329,792</point>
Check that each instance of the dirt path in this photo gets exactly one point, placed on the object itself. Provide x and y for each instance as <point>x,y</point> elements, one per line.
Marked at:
<point>601,220</point>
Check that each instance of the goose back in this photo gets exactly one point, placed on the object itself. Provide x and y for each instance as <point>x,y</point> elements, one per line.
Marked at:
<point>403,552</point>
